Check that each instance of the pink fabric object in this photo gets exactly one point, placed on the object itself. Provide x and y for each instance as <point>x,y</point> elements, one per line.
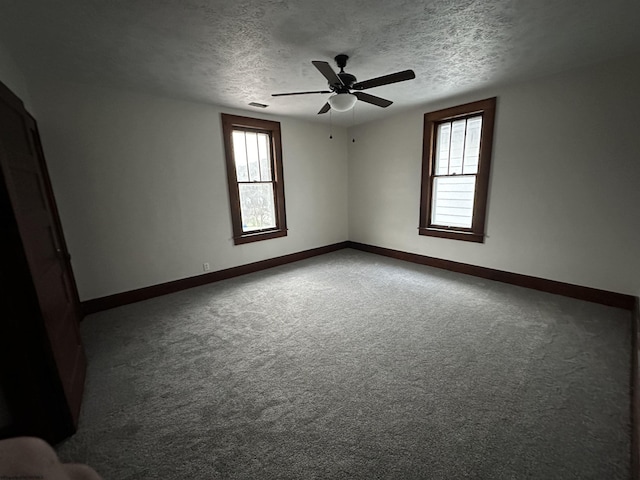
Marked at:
<point>33,458</point>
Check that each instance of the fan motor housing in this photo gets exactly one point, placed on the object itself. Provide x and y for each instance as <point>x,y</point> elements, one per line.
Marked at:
<point>347,79</point>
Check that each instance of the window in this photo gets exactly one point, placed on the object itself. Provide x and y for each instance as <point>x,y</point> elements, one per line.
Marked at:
<point>456,156</point>
<point>254,171</point>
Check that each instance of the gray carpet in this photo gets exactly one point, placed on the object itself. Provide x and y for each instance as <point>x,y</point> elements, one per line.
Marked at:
<point>352,365</point>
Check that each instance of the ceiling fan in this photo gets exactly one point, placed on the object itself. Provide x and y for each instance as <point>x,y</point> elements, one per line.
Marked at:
<point>341,84</point>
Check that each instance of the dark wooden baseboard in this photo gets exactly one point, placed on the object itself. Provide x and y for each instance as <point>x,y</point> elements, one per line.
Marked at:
<point>551,286</point>
<point>124,298</point>
<point>559,288</point>
<point>635,394</point>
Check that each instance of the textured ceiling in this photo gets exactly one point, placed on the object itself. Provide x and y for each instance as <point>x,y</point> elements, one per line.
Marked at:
<point>233,52</point>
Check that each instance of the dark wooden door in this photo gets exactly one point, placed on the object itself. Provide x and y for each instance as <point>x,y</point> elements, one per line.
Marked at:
<point>29,190</point>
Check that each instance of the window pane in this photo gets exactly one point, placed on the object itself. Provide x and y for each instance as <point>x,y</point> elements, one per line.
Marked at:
<point>256,206</point>
<point>453,201</point>
<point>442,148</point>
<point>264,154</point>
<point>252,156</point>
<point>472,145</point>
<point>240,156</point>
<point>457,146</point>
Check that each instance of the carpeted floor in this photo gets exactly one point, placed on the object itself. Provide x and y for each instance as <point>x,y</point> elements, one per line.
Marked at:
<point>356,366</point>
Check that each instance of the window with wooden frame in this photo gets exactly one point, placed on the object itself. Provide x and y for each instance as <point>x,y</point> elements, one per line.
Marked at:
<point>253,151</point>
<point>456,157</point>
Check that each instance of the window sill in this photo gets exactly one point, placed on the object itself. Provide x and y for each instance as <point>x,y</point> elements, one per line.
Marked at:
<point>257,236</point>
<point>452,234</point>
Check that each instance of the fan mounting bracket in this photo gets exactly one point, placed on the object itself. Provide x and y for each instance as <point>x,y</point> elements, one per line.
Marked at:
<point>341,60</point>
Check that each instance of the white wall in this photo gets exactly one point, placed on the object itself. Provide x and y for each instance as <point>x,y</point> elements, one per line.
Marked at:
<point>140,182</point>
<point>565,180</point>
<point>13,78</point>
<point>141,186</point>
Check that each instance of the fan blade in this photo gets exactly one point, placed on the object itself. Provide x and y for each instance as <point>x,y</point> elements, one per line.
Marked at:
<point>385,80</point>
<point>328,72</point>
<point>372,99</point>
<point>299,93</point>
<point>325,108</point>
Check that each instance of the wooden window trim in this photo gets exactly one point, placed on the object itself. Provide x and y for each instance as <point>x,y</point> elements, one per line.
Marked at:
<point>476,233</point>
<point>235,122</point>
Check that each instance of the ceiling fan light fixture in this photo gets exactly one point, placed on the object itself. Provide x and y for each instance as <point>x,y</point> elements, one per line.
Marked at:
<point>341,102</point>
<point>342,83</point>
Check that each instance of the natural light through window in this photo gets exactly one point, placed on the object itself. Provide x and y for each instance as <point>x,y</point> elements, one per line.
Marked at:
<point>253,170</point>
<point>253,154</point>
<point>456,166</point>
<point>456,158</point>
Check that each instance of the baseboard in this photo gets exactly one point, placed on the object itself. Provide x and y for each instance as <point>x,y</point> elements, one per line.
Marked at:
<point>124,298</point>
<point>635,394</point>
<point>551,286</point>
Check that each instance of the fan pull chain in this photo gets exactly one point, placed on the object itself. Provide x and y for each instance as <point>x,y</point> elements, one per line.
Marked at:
<point>330,126</point>
<point>353,122</point>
